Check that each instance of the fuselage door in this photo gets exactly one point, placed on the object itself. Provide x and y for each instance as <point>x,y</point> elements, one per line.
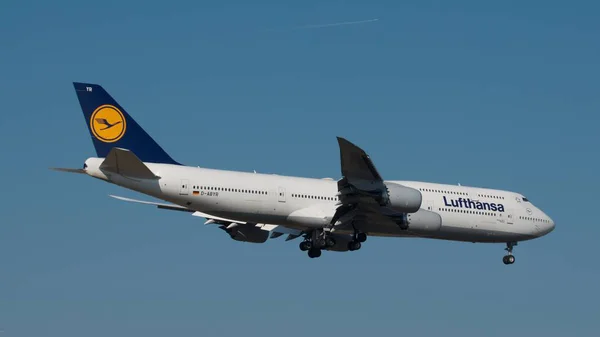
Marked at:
<point>281,194</point>
<point>430,205</point>
<point>184,187</point>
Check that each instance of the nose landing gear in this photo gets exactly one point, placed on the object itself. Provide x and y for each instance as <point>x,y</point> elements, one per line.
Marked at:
<point>509,258</point>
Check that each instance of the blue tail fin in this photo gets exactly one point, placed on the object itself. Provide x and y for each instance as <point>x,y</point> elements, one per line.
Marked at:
<point>111,126</point>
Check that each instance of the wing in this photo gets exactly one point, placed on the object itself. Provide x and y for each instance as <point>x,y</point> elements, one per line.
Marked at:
<point>356,164</point>
<point>224,223</point>
<point>362,193</point>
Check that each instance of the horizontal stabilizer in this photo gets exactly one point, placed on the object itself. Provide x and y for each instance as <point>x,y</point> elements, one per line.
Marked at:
<point>126,163</point>
<point>69,170</point>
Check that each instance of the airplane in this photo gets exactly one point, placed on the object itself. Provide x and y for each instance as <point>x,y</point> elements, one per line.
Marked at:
<point>329,215</point>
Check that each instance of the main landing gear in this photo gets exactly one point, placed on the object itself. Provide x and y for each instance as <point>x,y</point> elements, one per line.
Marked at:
<point>357,239</point>
<point>313,250</point>
<point>316,241</point>
<point>509,258</point>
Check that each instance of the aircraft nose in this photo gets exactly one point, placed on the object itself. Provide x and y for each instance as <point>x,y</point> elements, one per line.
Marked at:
<point>548,226</point>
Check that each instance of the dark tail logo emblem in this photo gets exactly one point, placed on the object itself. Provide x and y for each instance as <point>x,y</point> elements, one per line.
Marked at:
<point>105,122</point>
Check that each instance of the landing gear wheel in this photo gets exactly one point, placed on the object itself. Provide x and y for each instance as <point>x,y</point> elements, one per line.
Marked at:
<point>509,259</point>
<point>354,245</point>
<point>361,237</point>
<point>305,245</point>
<point>321,243</point>
<point>314,252</point>
<point>330,242</point>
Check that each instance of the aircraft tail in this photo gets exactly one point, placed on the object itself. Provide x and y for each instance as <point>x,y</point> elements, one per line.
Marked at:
<point>112,127</point>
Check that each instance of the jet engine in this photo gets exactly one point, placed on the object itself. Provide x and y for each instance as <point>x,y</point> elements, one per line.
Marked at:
<point>404,199</point>
<point>424,221</point>
<point>246,233</point>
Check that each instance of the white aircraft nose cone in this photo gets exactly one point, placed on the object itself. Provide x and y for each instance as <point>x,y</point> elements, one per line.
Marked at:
<point>548,227</point>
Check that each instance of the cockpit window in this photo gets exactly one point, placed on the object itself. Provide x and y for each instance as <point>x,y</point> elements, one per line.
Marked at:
<point>525,199</point>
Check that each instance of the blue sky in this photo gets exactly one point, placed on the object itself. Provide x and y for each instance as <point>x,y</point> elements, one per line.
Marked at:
<point>501,95</point>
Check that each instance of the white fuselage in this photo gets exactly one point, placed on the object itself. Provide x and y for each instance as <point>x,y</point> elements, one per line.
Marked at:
<point>468,213</point>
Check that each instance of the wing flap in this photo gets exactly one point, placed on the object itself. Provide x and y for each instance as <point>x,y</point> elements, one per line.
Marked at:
<point>212,219</point>
<point>157,204</point>
<point>217,219</point>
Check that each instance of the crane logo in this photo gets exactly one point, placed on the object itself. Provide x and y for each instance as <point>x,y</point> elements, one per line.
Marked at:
<point>108,124</point>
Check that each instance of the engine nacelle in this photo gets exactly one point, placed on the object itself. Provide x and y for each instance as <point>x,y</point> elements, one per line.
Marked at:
<point>246,233</point>
<point>424,221</point>
<point>404,199</point>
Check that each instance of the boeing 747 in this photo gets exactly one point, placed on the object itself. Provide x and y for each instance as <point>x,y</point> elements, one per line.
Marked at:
<point>327,215</point>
